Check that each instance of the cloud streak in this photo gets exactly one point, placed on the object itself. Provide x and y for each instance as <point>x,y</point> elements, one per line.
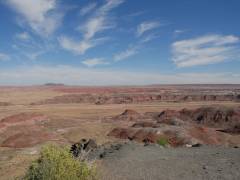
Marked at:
<point>125,54</point>
<point>79,47</point>
<point>41,15</point>
<point>24,36</point>
<point>87,9</point>
<point>146,26</point>
<point>133,50</point>
<point>74,46</point>
<point>209,49</point>
<point>94,62</point>
<point>4,57</point>
<point>98,22</point>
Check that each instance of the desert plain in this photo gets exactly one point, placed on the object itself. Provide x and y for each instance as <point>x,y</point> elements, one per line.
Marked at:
<point>185,115</point>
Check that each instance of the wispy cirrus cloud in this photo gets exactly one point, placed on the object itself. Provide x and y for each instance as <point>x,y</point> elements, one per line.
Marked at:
<point>94,62</point>
<point>98,22</point>
<point>209,49</point>
<point>23,36</point>
<point>148,38</point>
<point>134,49</point>
<point>131,51</point>
<point>77,47</point>
<point>41,15</point>
<point>4,57</point>
<point>178,32</point>
<point>31,48</point>
<point>146,26</point>
<point>87,9</point>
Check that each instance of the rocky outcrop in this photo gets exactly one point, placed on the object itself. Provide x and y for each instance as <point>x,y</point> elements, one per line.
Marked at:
<point>83,147</point>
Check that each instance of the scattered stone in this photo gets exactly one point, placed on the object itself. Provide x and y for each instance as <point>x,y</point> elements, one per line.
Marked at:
<point>197,145</point>
<point>83,147</point>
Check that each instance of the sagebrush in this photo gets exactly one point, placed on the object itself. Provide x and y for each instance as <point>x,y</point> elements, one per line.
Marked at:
<point>163,141</point>
<point>57,163</point>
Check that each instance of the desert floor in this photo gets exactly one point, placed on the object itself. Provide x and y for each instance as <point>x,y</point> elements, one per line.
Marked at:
<point>65,124</point>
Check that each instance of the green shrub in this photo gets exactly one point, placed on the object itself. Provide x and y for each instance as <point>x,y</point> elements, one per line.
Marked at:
<point>56,163</point>
<point>162,141</point>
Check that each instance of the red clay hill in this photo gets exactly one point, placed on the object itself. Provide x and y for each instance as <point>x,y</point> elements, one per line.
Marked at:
<point>207,125</point>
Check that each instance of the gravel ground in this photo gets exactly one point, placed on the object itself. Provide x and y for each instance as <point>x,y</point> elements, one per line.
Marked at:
<point>138,162</point>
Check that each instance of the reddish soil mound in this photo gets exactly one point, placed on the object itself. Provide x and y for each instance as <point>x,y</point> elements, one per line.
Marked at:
<point>5,104</point>
<point>168,114</point>
<point>143,124</point>
<point>128,115</point>
<point>143,135</point>
<point>207,135</point>
<point>22,117</point>
<point>122,133</point>
<point>218,117</point>
<point>24,130</point>
<point>185,126</point>
<point>2,125</point>
<point>27,139</point>
<point>232,130</point>
<point>148,135</point>
<point>139,135</point>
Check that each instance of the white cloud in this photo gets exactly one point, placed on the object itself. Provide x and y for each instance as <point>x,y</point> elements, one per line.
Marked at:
<point>147,26</point>
<point>93,26</point>
<point>125,54</point>
<point>179,31</point>
<point>23,36</point>
<point>78,47</point>
<point>204,50</point>
<point>98,22</point>
<point>87,9</point>
<point>40,15</point>
<point>82,76</point>
<point>74,46</point>
<point>149,37</point>
<point>94,62</point>
<point>4,57</point>
<point>110,4</point>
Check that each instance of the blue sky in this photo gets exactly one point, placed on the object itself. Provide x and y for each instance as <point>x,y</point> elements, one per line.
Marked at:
<point>119,42</point>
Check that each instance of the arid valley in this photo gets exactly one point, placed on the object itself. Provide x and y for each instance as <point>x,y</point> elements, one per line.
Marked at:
<point>184,115</point>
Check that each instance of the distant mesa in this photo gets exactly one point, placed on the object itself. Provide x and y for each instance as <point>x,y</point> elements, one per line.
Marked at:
<point>54,84</point>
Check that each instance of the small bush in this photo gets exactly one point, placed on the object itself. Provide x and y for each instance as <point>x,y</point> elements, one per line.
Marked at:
<point>162,141</point>
<point>57,163</point>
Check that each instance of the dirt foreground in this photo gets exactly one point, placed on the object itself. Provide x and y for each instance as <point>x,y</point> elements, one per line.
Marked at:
<point>137,162</point>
